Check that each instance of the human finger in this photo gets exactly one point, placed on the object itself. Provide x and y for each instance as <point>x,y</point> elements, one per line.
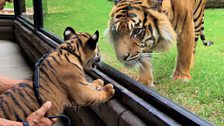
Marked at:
<point>46,122</point>
<point>44,108</point>
<point>54,120</point>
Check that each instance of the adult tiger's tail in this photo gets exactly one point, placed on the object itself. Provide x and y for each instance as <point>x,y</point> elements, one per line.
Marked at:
<point>199,22</point>
<point>202,36</point>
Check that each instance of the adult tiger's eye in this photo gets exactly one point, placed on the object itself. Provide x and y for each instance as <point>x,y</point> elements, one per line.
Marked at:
<point>137,30</point>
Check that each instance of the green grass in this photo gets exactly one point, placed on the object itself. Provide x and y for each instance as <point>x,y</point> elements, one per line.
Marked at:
<point>84,15</point>
<point>203,95</point>
<point>29,4</point>
<point>9,5</point>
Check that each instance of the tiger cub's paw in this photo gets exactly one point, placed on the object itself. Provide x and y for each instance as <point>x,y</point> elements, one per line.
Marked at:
<point>98,84</point>
<point>109,90</point>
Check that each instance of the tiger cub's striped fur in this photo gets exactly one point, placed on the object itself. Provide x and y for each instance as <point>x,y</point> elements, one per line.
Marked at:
<point>62,80</point>
<point>138,27</point>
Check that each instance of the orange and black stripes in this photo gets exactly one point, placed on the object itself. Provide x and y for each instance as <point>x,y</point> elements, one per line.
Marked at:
<point>16,104</point>
<point>127,11</point>
<point>199,23</point>
<point>65,61</point>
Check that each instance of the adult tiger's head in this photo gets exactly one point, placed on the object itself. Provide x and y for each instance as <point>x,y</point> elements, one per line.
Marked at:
<point>138,27</point>
<point>83,46</point>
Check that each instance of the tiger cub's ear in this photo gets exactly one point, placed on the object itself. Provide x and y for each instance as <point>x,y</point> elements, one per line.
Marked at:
<point>69,31</point>
<point>92,42</point>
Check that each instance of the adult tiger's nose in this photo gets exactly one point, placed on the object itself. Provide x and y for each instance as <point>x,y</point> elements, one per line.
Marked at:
<point>125,57</point>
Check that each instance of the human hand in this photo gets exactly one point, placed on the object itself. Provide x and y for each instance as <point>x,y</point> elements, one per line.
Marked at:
<point>37,118</point>
<point>34,119</point>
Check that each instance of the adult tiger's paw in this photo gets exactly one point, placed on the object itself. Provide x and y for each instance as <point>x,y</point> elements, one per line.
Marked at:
<point>109,89</point>
<point>147,81</point>
<point>180,76</point>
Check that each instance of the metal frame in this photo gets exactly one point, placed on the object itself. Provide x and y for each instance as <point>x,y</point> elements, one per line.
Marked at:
<point>146,100</point>
<point>7,17</point>
<point>148,113</point>
<point>38,14</point>
<point>176,112</point>
<point>17,9</point>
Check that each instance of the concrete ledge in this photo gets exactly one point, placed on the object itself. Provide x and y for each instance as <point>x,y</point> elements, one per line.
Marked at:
<point>6,22</point>
<point>30,43</point>
<point>13,63</point>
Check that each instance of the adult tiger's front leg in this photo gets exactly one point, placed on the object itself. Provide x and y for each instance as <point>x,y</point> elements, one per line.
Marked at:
<point>145,74</point>
<point>185,47</point>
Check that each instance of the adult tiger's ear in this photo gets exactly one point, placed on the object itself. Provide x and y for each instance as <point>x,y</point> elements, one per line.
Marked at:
<point>117,1</point>
<point>167,34</point>
<point>92,42</point>
<point>153,4</point>
<point>69,31</point>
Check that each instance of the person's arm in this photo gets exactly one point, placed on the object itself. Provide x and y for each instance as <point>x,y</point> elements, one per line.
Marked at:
<point>5,122</point>
<point>34,119</point>
<point>6,83</point>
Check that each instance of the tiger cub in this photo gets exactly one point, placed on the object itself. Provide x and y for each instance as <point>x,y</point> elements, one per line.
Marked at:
<point>61,78</point>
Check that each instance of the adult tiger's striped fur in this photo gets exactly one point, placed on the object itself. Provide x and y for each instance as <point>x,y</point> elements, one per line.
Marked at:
<point>199,23</point>
<point>138,27</point>
<point>62,80</point>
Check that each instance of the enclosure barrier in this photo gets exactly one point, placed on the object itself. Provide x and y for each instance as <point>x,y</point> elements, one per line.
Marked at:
<point>215,4</point>
<point>132,105</point>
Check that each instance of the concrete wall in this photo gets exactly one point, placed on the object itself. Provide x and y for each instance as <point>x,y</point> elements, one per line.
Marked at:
<point>7,29</point>
<point>215,4</point>
<point>32,45</point>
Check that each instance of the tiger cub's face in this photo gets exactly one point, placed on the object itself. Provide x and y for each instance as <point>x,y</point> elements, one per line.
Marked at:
<point>136,30</point>
<point>83,46</point>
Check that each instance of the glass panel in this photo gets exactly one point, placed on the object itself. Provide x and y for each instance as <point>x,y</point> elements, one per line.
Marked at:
<point>27,9</point>
<point>83,16</point>
<point>6,7</point>
<point>203,92</point>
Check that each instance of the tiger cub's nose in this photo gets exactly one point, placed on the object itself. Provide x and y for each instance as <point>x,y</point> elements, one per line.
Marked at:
<point>97,59</point>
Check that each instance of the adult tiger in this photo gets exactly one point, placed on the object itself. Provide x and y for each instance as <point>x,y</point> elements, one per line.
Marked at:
<point>61,78</point>
<point>138,27</point>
